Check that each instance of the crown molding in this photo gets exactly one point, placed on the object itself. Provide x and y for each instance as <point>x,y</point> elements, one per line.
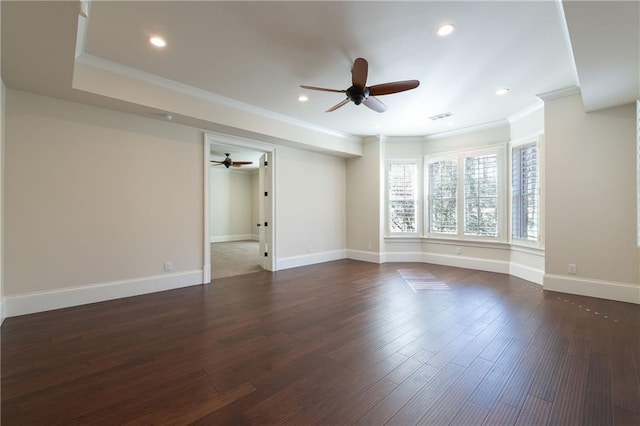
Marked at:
<point>106,65</point>
<point>526,111</point>
<point>560,93</point>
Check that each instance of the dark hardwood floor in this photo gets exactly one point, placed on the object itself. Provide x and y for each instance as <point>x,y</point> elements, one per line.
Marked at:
<point>338,343</point>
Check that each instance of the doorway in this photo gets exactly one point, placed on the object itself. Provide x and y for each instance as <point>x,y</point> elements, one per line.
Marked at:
<point>239,211</point>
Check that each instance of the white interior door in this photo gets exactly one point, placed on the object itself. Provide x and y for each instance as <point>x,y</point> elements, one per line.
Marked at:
<point>264,211</point>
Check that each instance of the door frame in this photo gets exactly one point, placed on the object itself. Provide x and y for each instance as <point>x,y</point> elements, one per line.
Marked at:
<point>235,141</point>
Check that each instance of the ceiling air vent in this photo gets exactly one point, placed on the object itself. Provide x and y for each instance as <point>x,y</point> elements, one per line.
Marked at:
<point>441,116</point>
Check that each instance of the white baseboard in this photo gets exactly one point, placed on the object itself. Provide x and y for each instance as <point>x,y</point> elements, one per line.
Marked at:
<point>526,273</point>
<point>364,256</point>
<point>235,237</point>
<point>3,310</point>
<point>310,259</point>
<point>206,274</point>
<point>23,304</point>
<point>255,237</point>
<point>594,288</point>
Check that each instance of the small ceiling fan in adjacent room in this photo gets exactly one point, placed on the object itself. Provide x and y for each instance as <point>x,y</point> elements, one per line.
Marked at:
<point>359,93</point>
<point>228,162</point>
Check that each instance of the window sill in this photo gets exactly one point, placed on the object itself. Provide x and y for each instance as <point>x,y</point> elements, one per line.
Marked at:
<point>501,245</point>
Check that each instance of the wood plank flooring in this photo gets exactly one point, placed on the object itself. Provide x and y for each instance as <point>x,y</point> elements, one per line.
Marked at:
<point>339,343</point>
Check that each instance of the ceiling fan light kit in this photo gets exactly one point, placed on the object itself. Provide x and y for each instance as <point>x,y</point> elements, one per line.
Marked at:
<point>359,93</point>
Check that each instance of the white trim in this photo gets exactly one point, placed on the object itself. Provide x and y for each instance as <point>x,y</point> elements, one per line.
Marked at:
<point>364,256</point>
<point>227,238</point>
<point>104,64</point>
<point>235,141</point>
<point>531,137</point>
<point>526,273</point>
<point>206,259</point>
<point>567,39</point>
<point>206,274</point>
<point>29,303</point>
<point>537,139</point>
<point>525,111</point>
<point>622,292</point>
<point>465,130</point>
<point>310,259</point>
<point>560,93</point>
<point>3,310</point>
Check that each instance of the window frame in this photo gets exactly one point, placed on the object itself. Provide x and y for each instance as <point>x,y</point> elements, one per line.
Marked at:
<point>538,139</point>
<point>418,197</point>
<point>500,150</point>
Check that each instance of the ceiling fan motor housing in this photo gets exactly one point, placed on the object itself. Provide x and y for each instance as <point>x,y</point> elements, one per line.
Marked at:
<point>357,95</point>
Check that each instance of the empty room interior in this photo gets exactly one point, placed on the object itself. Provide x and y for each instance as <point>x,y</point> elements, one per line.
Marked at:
<point>309,212</point>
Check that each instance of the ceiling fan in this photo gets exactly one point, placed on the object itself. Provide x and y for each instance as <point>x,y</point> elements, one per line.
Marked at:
<point>359,93</point>
<point>227,162</point>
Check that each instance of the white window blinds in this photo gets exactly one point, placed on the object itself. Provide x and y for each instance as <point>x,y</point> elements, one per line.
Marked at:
<point>481,195</point>
<point>403,196</point>
<point>525,192</point>
<point>443,188</point>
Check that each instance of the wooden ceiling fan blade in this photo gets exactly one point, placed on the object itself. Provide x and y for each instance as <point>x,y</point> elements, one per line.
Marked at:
<point>241,163</point>
<point>322,89</point>
<point>335,107</point>
<point>375,104</point>
<point>359,73</point>
<point>395,87</point>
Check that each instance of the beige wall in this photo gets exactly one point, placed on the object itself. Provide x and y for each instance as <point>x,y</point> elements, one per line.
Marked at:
<point>230,204</point>
<point>528,124</point>
<point>310,202</point>
<point>477,138</point>
<point>94,196</point>
<point>364,193</point>
<point>590,191</point>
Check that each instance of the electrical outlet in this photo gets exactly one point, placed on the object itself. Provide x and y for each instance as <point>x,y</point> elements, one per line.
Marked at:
<point>571,268</point>
<point>308,249</point>
<point>458,250</point>
<point>369,246</point>
<point>168,266</point>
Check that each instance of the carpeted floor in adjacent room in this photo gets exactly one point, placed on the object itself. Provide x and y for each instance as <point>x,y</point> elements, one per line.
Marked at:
<point>233,258</point>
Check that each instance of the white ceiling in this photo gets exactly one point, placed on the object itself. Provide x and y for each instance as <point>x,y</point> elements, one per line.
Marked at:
<point>259,53</point>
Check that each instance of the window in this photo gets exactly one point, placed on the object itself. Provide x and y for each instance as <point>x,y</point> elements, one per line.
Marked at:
<point>471,180</point>
<point>481,195</point>
<point>402,192</point>
<point>525,192</point>
<point>443,187</point>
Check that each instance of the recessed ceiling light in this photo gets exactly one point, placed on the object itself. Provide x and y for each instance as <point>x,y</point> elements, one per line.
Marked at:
<point>303,98</point>
<point>378,126</point>
<point>157,41</point>
<point>445,30</point>
<point>502,91</point>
